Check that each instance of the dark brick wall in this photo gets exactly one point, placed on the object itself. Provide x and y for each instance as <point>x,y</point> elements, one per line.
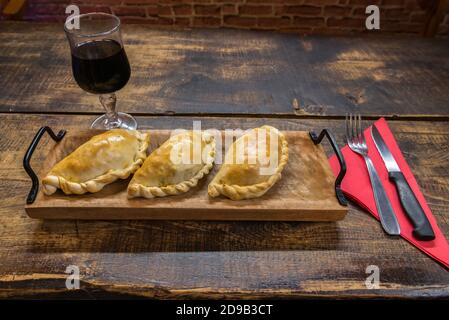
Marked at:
<point>305,16</point>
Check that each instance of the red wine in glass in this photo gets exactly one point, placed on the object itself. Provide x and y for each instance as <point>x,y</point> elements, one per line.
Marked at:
<point>100,66</point>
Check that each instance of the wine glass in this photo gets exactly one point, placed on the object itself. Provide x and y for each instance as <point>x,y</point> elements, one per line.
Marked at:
<point>100,64</point>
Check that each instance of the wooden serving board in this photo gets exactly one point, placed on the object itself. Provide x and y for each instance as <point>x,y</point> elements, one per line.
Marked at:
<point>305,192</point>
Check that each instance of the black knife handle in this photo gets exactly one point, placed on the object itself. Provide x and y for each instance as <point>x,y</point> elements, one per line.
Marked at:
<point>422,228</point>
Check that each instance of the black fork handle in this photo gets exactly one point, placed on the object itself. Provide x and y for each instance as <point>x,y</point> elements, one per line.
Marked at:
<point>27,158</point>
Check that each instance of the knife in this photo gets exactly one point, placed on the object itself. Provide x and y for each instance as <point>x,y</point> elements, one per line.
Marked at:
<point>422,228</point>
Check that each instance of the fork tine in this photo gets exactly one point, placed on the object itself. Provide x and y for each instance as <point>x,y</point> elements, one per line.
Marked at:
<point>347,128</point>
<point>362,138</point>
<point>353,133</point>
<point>350,127</point>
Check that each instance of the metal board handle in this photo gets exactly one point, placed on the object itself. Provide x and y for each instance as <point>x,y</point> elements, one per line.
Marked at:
<point>316,140</point>
<point>27,158</point>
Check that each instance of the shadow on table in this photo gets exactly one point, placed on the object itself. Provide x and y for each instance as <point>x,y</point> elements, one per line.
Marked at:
<point>181,236</point>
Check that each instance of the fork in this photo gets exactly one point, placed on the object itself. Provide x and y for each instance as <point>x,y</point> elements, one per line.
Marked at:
<point>356,142</point>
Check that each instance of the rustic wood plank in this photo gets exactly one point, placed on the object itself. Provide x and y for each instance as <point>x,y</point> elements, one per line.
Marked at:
<point>186,259</point>
<point>233,71</point>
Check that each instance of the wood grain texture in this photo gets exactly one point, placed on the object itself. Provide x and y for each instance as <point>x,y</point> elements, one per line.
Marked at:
<point>187,259</point>
<point>304,193</point>
<point>231,71</point>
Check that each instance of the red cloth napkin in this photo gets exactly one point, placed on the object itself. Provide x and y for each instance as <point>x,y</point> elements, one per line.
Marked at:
<point>357,187</point>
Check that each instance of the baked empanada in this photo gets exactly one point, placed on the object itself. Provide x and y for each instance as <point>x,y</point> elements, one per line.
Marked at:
<point>252,165</point>
<point>175,167</point>
<point>106,157</point>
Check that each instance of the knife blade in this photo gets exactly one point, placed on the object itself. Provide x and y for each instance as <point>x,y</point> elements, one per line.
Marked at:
<point>422,228</point>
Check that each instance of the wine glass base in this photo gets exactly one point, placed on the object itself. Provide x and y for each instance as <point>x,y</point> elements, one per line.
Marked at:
<point>124,121</point>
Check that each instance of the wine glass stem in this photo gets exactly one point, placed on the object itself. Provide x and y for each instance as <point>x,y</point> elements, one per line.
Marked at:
<point>108,102</point>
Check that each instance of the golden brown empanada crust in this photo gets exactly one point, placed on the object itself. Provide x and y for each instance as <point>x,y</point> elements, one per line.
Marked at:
<point>149,192</point>
<point>237,192</point>
<point>52,182</point>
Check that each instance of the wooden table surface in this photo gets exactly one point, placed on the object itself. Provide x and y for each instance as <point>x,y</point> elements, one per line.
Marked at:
<point>226,79</point>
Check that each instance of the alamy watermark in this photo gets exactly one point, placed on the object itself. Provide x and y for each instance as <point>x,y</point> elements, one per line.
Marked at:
<point>73,20</point>
<point>372,22</point>
<point>373,280</point>
<point>72,281</point>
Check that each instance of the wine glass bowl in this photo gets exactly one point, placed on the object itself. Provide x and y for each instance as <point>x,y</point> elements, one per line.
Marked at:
<point>100,64</point>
